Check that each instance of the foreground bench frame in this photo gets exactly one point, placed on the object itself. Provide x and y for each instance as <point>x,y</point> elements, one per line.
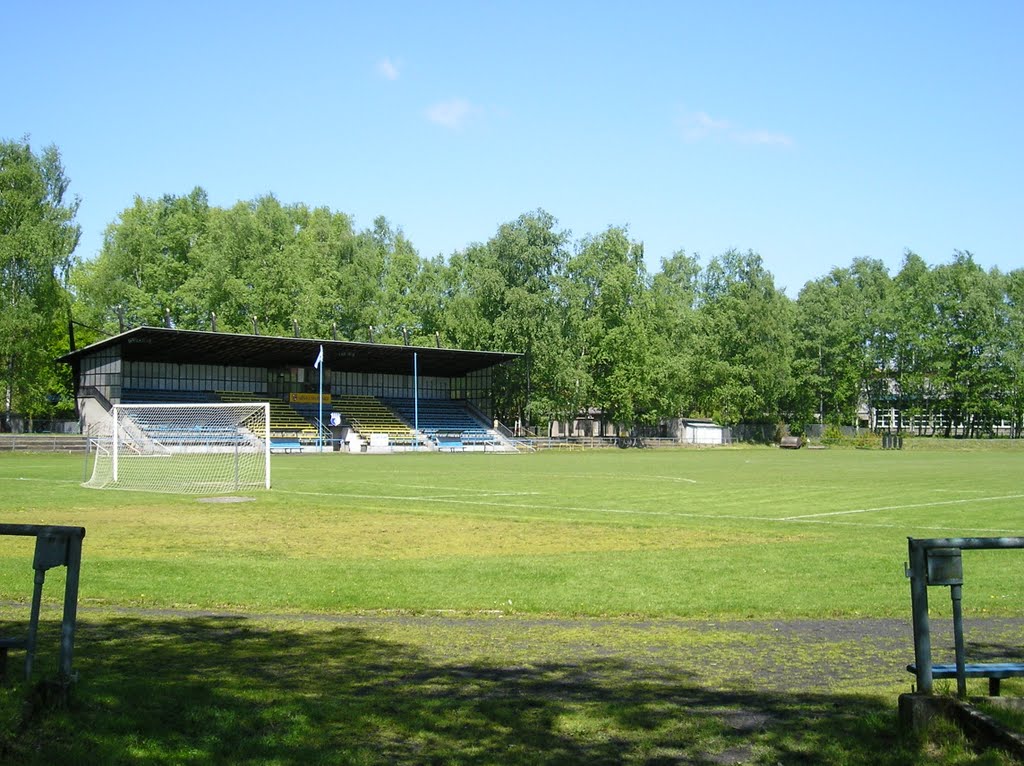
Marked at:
<point>937,561</point>
<point>55,546</point>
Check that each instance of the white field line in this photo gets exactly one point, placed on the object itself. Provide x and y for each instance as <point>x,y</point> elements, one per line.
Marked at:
<point>484,492</point>
<point>960,530</point>
<point>668,478</point>
<point>932,504</point>
<point>616,476</point>
<point>48,481</point>
<point>528,506</point>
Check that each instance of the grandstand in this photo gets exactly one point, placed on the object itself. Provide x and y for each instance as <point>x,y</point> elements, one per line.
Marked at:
<point>371,391</point>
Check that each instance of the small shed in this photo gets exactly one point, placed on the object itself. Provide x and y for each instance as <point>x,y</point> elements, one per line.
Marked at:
<point>699,431</point>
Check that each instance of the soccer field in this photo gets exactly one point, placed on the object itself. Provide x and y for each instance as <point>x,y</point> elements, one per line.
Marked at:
<point>521,609</point>
<point>747,532</point>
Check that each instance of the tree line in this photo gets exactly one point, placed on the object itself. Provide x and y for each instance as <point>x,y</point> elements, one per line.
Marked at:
<point>595,327</point>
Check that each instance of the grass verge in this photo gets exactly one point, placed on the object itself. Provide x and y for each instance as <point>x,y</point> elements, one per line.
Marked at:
<point>159,688</point>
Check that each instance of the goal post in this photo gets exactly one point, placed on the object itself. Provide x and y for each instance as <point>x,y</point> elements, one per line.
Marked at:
<point>184,448</point>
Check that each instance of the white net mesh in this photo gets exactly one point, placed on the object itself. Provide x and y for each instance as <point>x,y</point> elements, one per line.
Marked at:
<point>185,448</point>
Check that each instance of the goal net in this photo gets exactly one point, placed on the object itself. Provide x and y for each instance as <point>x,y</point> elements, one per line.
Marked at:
<point>184,448</point>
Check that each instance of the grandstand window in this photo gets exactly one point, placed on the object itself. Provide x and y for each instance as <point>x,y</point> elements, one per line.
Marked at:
<point>434,388</point>
<point>103,372</point>
<point>476,389</point>
<point>164,376</point>
<point>458,388</point>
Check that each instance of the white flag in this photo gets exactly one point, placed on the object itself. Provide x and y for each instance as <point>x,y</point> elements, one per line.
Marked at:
<point>319,359</point>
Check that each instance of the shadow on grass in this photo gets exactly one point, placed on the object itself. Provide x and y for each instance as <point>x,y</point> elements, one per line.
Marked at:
<point>233,690</point>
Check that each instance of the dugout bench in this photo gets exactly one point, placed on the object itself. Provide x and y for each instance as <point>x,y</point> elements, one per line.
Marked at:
<point>55,546</point>
<point>938,562</point>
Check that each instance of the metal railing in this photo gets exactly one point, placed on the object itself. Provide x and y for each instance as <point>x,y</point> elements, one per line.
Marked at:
<point>55,546</point>
<point>937,561</point>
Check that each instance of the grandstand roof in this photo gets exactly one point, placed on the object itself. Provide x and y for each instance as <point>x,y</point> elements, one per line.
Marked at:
<point>158,344</point>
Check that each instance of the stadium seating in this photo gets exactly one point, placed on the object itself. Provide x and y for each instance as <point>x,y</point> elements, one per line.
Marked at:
<point>446,421</point>
<point>285,422</point>
<point>368,415</point>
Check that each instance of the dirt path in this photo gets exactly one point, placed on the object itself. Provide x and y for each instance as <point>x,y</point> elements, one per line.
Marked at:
<point>494,688</point>
<point>833,655</point>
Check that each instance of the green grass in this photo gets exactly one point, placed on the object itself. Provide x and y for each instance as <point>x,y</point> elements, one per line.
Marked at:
<point>205,690</point>
<point>579,607</point>
<point>723,533</point>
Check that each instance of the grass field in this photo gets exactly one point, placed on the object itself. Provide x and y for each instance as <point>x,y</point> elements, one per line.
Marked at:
<point>722,533</point>
<point>594,601</point>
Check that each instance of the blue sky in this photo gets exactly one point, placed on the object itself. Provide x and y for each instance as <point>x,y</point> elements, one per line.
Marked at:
<point>811,133</point>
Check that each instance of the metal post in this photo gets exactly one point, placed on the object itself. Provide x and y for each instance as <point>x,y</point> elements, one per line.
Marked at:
<point>33,621</point>
<point>955,592</point>
<point>320,411</point>
<point>919,608</point>
<point>416,399</point>
<point>266,443</point>
<point>113,446</point>
<point>67,626</point>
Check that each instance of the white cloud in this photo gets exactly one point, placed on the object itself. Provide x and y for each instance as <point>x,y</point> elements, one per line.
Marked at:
<point>388,69</point>
<point>698,126</point>
<point>763,138</point>
<point>452,113</point>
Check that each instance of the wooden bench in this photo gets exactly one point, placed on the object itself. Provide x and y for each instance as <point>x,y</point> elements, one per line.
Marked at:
<point>993,671</point>
<point>279,445</point>
<point>791,442</point>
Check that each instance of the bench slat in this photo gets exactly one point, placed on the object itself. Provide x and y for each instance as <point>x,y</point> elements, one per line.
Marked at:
<point>976,670</point>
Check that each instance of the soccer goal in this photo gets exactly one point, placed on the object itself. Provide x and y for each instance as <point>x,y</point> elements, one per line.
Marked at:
<point>184,448</point>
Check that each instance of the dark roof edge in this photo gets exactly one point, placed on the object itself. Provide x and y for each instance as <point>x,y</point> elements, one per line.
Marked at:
<point>73,356</point>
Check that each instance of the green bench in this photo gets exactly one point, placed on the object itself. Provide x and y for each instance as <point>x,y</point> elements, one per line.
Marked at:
<point>993,671</point>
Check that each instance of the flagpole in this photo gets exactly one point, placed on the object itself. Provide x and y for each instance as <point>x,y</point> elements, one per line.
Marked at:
<point>416,399</point>
<point>320,403</point>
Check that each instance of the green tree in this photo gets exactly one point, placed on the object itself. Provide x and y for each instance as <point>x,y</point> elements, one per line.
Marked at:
<point>395,279</point>
<point>744,352</point>
<point>146,256</point>
<point>502,295</point>
<point>1013,289</point>
<point>840,341</point>
<point>911,344</point>
<point>951,339</point>
<point>674,291</point>
<point>38,236</point>
<point>321,253</point>
<point>611,298</point>
<point>968,329</point>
